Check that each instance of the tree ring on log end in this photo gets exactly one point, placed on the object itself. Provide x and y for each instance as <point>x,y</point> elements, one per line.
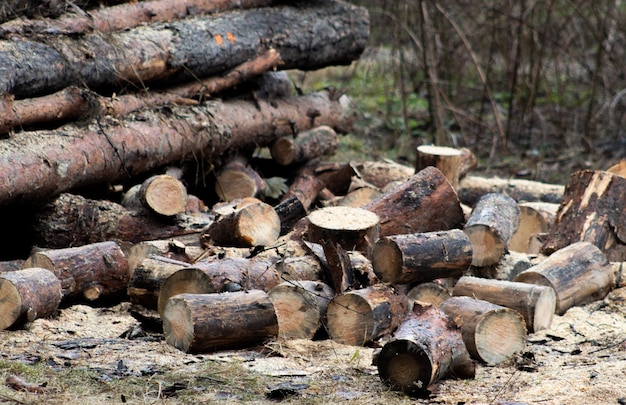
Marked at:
<point>500,334</point>
<point>405,365</point>
<point>387,260</point>
<point>544,309</point>
<point>178,324</point>
<point>166,195</point>
<point>9,297</point>
<point>350,320</point>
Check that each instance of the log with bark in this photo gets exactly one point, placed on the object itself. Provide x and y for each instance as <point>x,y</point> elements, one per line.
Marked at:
<point>147,278</point>
<point>426,348</point>
<point>316,142</point>
<point>381,173</point>
<point>308,36</point>
<point>535,218</point>
<point>38,165</point>
<point>432,293</point>
<point>184,248</point>
<point>471,188</point>
<point>236,179</point>
<point>27,295</point>
<point>444,158</point>
<point>200,323</point>
<point>579,273</point>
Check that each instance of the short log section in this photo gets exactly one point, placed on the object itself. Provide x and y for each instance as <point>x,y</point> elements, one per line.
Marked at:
<point>237,180</point>
<point>307,145</point>
<point>147,278</point>
<point>444,158</point>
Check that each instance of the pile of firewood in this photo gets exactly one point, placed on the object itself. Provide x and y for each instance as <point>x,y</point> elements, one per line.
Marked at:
<point>224,249</point>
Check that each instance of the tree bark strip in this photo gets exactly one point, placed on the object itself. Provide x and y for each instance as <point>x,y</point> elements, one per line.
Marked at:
<point>11,9</point>
<point>307,36</point>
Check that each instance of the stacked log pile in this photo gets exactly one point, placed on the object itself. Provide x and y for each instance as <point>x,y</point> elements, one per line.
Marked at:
<point>132,145</point>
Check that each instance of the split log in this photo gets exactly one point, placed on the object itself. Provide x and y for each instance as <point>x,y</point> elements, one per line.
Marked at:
<point>444,158</point>
<point>492,333</point>
<point>300,308</point>
<point>90,272</point>
<point>536,303</point>
<point>421,257</point>
<point>72,220</point>
<point>592,211</point>
<point>380,174</point>
<point>579,273</point>
<point>147,278</point>
<point>359,317</point>
<point>432,293</point>
<point>237,180</point>
<point>425,203</point>
<point>426,348</point>
<point>308,36</point>
<point>306,145</point>
<point>244,222</point>
<point>472,188</point>
<point>490,227</point>
<point>27,295</point>
<point>137,144</point>
<point>201,323</point>
<point>161,194</point>
<point>535,217</point>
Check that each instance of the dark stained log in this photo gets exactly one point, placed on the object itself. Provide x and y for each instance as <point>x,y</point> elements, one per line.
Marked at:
<point>535,218</point>
<point>300,307</point>
<point>72,220</point>
<point>424,203</point>
<point>492,333</point>
<point>88,272</point>
<point>426,348</point>
<point>421,257</point>
<point>536,303</point>
<point>290,210</point>
<point>37,165</point>
<point>361,316</point>
<point>508,267</point>
<point>490,227</point>
<point>307,36</point>
<point>237,180</point>
<point>592,211</point>
<point>352,228</point>
<point>579,273</point>
<point>444,158</point>
<point>472,188</point>
<point>306,145</point>
<point>306,188</point>
<point>201,323</point>
<point>28,294</point>
<point>147,278</point>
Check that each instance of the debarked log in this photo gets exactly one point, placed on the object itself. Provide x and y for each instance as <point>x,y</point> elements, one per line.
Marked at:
<point>38,165</point>
<point>307,36</point>
<point>426,348</point>
<point>28,294</point>
<point>200,323</point>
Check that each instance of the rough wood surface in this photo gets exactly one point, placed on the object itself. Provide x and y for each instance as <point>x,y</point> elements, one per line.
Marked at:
<point>201,323</point>
<point>420,257</point>
<point>28,294</point>
<point>432,293</point>
<point>471,188</point>
<point>535,218</point>
<point>444,158</point>
<point>144,286</point>
<point>381,173</point>
<point>238,180</point>
<point>492,333</point>
<point>306,145</point>
<point>352,228</point>
<point>184,248</point>
<point>578,273</point>
<point>536,303</point>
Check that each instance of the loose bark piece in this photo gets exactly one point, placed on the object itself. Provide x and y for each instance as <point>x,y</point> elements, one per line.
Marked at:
<point>237,180</point>
<point>592,211</point>
<point>359,317</point>
<point>300,307</point>
<point>536,303</point>
<point>18,384</point>
<point>492,333</point>
<point>308,36</point>
<point>493,221</point>
<point>314,143</point>
<point>444,158</point>
<point>420,257</point>
<point>28,294</point>
<point>472,188</point>
<point>135,144</point>
<point>89,272</point>
<point>432,293</point>
<point>425,203</point>
<point>535,217</point>
<point>248,222</point>
<point>71,220</point>
<point>201,323</point>
<point>144,286</point>
<point>426,348</point>
<point>579,273</point>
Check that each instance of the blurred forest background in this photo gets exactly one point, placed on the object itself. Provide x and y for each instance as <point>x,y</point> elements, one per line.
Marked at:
<point>536,89</point>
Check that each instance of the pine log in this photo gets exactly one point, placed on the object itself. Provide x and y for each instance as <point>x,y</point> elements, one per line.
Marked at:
<point>490,227</point>
<point>89,272</point>
<point>298,268</point>
<point>444,158</point>
<point>359,197</point>
<point>421,257</point>
<point>238,180</point>
<point>162,194</point>
<point>139,143</point>
<point>492,333</point>
<point>184,248</point>
<point>314,143</point>
<point>535,217</point>
<point>148,277</point>
<point>306,188</point>
<point>71,220</point>
<point>27,295</point>
<point>300,307</point>
<point>579,273</point>
<point>508,267</point>
<point>381,173</point>
<point>425,203</point>
<point>472,188</point>
<point>246,222</point>
<point>536,303</point>
<point>361,316</point>
<point>432,293</point>
<point>308,36</point>
<point>592,211</point>
<point>201,323</point>
<point>426,348</point>
<point>352,228</point>
<point>290,210</point>
<point>11,265</point>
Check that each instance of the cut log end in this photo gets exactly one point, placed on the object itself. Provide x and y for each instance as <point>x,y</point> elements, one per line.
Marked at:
<point>487,247</point>
<point>349,320</point>
<point>387,260</point>
<point>178,324</point>
<point>544,309</point>
<point>11,304</point>
<point>283,151</point>
<point>259,225</point>
<point>405,366</point>
<point>165,195</point>
<point>500,334</point>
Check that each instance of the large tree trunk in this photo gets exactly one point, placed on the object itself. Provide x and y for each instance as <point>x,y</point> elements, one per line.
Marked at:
<point>308,36</point>
<point>38,165</point>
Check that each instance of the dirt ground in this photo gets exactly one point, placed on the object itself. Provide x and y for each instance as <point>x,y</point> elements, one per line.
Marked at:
<point>99,355</point>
